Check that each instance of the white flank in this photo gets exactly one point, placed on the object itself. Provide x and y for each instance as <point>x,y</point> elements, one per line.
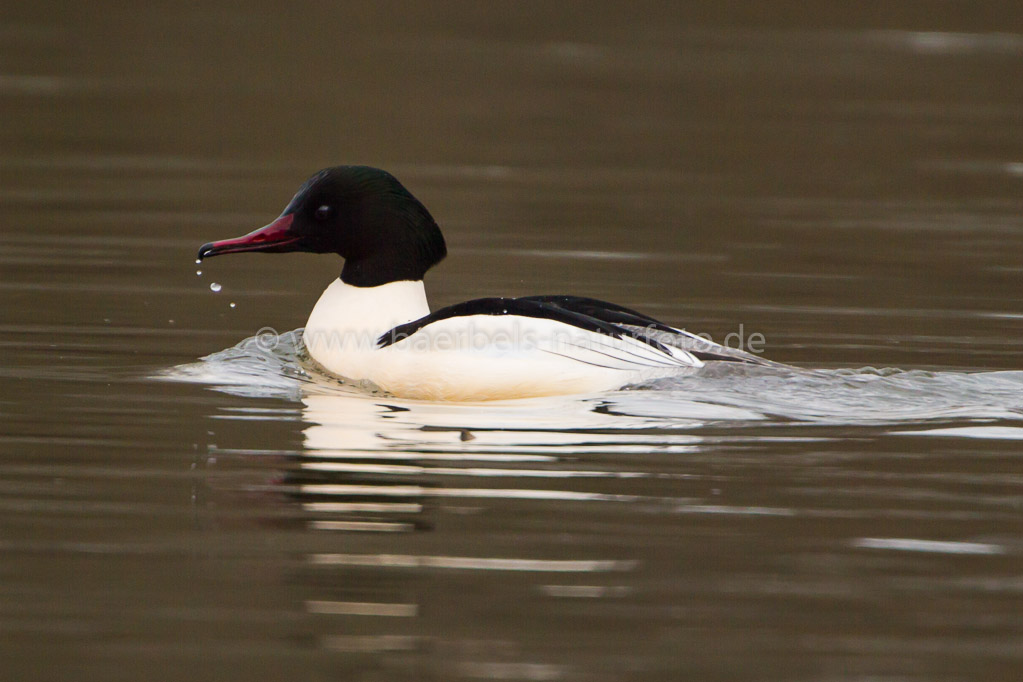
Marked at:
<point>474,357</point>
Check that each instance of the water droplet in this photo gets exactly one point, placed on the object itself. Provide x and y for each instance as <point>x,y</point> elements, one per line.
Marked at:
<point>198,260</point>
<point>198,273</point>
<point>215,287</point>
<point>232,304</point>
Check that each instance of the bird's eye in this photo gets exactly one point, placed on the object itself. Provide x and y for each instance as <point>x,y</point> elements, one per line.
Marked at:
<point>324,212</point>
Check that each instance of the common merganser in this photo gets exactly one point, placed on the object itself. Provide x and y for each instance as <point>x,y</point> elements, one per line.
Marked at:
<point>373,323</point>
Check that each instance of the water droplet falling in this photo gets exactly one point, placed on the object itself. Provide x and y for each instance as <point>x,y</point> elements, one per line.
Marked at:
<point>214,287</point>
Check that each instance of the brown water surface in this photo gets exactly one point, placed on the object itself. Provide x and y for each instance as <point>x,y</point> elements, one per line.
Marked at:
<point>847,182</point>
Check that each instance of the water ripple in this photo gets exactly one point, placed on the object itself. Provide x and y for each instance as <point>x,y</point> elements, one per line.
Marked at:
<point>719,392</point>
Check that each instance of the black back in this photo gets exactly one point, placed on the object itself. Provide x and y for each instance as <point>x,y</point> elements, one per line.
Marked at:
<point>530,306</point>
<point>589,314</point>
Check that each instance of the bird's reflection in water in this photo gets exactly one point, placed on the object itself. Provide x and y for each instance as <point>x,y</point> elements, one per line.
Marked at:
<point>422,499</point>
<point>368,462</point>
<point>516,540</point>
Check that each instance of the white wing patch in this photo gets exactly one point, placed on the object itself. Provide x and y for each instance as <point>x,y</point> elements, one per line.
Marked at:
<point>511,335</point>
<point>482,357</point>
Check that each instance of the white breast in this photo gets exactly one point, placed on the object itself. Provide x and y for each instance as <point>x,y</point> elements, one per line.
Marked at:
<point>345,323</point>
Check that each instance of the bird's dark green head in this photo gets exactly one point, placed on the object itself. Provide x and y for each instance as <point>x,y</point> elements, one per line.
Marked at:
<point>364,215</point>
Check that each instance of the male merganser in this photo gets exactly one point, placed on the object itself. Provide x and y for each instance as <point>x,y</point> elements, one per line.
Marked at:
<point>373,323</point>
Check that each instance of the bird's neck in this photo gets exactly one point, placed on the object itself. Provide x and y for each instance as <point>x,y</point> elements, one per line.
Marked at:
<point>347,310</point>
